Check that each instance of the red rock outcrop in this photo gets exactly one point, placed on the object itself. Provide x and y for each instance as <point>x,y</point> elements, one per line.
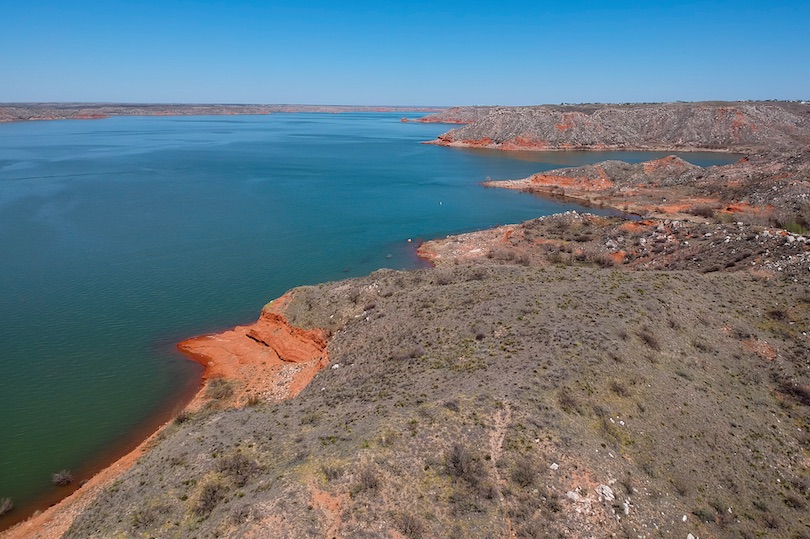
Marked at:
<point>267,360</point>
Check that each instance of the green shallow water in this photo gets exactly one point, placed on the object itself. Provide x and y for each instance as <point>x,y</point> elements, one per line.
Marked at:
<point>120,237</point>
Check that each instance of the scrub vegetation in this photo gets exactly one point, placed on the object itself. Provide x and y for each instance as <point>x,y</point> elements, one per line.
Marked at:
<point>477,399</point>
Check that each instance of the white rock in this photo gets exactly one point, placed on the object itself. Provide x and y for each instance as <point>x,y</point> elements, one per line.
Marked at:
<point>605,492</point>
<point>336,366</point>
<point>554,466</point>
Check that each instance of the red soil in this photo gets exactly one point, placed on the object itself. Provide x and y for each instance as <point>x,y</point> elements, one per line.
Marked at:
<point>523,143</point>
<point>428,120</point>
<point>669,164</point>
<point>566,123</point>
<point>582,183</point>
<point>760,348</point>
<point>269,359</point>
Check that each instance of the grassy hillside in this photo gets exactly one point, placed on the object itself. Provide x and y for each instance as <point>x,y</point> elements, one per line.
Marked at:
<point>488,399</point>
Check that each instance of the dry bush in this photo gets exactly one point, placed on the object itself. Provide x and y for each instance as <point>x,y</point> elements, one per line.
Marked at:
<point>332,473</point>
<point>567,401</point>
<point>619,388</point>
<point>702,211</point>
<point>523,472</point>
<point>367,480</point>
<point>648,337</point>
<point>461,463</point>
<point>239,468</point>
<point>210,494</point>
<point>6,505</point>
<point>409,352</point>
<point>62,478</point>
<point>146,516</point>
<point>219,389</point>
<point>410,525</point>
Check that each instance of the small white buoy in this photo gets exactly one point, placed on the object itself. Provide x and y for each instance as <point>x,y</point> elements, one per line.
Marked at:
<point>409,240</point>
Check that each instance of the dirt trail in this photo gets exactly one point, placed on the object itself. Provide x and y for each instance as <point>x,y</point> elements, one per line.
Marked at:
<point>500,422</point>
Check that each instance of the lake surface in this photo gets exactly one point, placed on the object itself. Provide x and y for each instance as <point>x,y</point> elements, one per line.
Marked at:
<point>120,237</point>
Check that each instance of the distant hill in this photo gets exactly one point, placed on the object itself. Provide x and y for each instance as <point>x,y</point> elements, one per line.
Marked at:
<point>14,112</point>
<point>669,127</point>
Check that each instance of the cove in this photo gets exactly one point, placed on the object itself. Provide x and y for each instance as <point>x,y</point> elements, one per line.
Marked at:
<point>120,237</point>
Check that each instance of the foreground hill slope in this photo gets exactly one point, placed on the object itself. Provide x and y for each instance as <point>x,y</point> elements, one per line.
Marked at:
<point>497,400</point>
<point>667,126</point>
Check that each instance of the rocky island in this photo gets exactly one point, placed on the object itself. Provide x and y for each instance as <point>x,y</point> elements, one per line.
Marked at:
<point>570,376</point>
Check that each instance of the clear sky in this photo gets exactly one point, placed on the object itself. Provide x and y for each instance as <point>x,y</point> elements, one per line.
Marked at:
<point>438,52</point>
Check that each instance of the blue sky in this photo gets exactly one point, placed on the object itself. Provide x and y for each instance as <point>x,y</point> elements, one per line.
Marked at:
<point>402,53</point>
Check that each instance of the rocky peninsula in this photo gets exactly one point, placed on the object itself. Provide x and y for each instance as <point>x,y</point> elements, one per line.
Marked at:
<point>573,375</point>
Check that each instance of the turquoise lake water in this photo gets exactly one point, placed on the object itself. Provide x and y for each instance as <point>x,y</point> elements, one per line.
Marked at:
<point>120,237</point>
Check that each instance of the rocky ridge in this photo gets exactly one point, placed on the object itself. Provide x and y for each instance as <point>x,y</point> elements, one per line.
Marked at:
<point>670,126</point>
<point>455,115</point>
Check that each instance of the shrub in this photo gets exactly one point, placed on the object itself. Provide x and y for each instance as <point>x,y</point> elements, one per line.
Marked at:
<point>367,480</point>
<point>62,478</point>
<point>461,463</point>
<point>239,468</point>
<point>452,405</point>
<point>619,388</point>
<point>6,505</point>
<point>776,314</point>
<point>409,352</point>
<point>567,401</point>
<point>443,278</point>
<point>332,472</point>
<point>410,525</point>
<point>524,473</point>
<point>702,211</point>
<point>146,516</point>
<point>648,337</point>
<point>796,228</point>
<point>209,496</point>
<point>219,389</point>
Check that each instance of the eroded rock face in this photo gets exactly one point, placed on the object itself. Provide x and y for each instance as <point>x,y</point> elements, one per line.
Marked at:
<point>267,360</point>
<point>672,126</point>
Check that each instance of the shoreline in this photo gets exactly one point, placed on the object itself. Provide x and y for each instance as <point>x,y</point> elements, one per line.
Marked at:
<point>269,360</point>
<point>509,146</point>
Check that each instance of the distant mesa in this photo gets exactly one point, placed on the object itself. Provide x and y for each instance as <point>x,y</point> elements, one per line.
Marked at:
<point>739,126</point>
<point>16,112</point>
